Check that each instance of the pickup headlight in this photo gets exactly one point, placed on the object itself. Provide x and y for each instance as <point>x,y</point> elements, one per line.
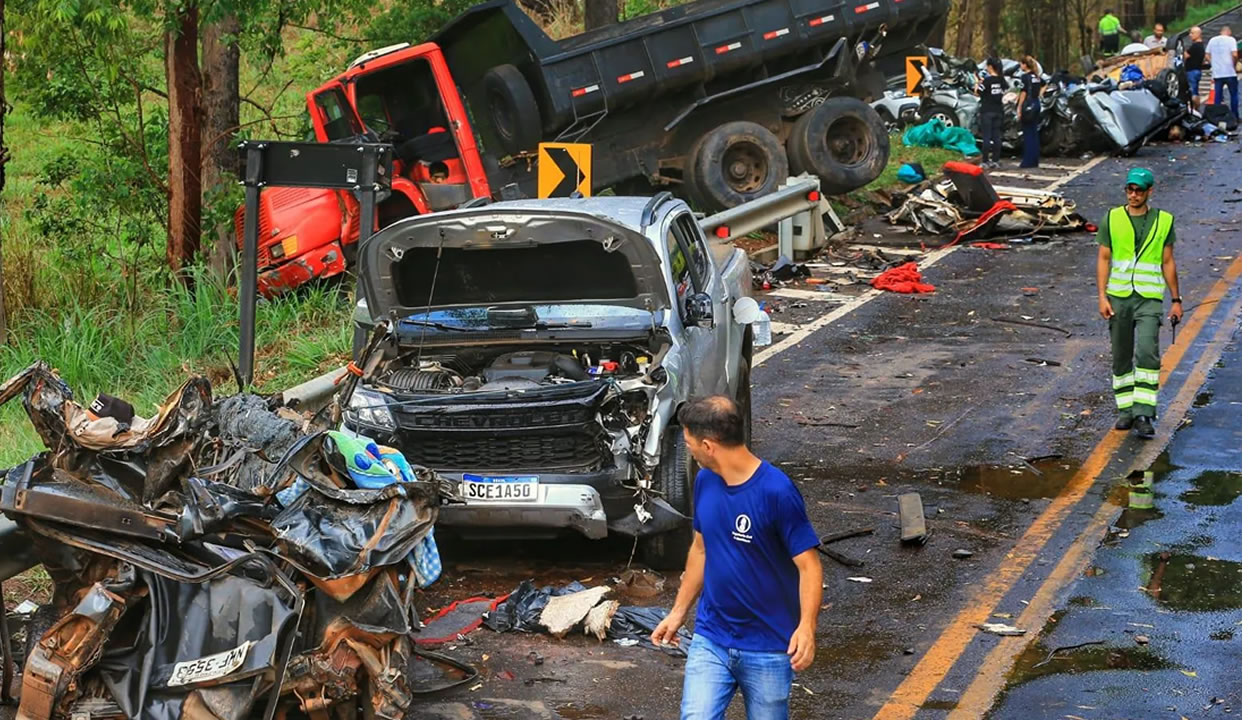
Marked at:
<point>369,408</point>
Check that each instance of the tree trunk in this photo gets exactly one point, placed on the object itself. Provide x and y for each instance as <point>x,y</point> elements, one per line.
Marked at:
<point>963,38</point>
<point>4,157</point>
<point>993,19</point>
<point>182,80</point>
<point>601,12</point>
<point>220,52</point>
<point>937,36</point>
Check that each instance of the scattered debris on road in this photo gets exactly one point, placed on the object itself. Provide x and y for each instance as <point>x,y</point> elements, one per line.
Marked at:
<point>1001,629</point>
<point>911,519</point>
<point>559,610</point>
<point>965,205</point>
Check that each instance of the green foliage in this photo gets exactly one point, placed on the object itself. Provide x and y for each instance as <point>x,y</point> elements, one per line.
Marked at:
<point>146,355</point>
<point>412,22</point>
<point>634,8</point>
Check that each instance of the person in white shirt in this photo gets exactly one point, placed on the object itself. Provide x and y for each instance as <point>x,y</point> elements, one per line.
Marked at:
<point>1159,39</point>
<point>1222,54</point>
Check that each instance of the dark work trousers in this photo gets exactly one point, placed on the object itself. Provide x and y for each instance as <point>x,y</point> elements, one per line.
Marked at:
<point>1031,141</point>
<point>1135,353</point>
<point>992,136</point>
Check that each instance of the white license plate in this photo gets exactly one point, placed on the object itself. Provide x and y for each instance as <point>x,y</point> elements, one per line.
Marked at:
<point>209,667</point>
<point>506,488</point>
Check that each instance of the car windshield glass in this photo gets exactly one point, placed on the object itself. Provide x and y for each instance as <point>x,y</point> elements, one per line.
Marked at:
<point>550,316</point>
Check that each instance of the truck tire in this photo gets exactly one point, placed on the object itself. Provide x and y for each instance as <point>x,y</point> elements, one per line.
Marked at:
<point>843,142</point>
<point>513,110</point>
<point>674,477</point>
<point>734,163</point>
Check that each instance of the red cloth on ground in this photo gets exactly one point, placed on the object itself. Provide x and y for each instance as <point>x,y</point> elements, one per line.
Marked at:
<point>902,279</point>
<point>989,245</point>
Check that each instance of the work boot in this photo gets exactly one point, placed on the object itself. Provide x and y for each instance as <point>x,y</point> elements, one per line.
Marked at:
<point>1143,427</point>
<point>1124,421</point>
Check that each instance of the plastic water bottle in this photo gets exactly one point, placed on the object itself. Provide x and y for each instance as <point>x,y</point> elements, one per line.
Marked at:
<point>762,328</point>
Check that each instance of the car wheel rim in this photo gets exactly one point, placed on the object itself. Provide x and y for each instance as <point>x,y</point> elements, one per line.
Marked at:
<point>745,167</point>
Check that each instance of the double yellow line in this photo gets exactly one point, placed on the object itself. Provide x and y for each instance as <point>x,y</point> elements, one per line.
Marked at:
<point>933,666</point>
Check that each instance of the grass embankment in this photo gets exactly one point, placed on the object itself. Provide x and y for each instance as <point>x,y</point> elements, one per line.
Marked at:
<point>1196,15</point>
<point>70,310</point>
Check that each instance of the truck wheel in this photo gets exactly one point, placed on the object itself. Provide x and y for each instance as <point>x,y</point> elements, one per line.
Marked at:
<point>841,141</point>
<point>674,477</point>
<point>513,110</point>
<point>737,162</point>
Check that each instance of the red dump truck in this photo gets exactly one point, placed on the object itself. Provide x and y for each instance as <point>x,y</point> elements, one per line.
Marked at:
<point>718,101</point>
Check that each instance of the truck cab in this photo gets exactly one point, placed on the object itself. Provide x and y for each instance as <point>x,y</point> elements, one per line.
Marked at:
<point>402,95</point>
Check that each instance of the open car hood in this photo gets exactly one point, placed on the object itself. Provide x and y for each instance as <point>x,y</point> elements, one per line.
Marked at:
<point>498,256</point>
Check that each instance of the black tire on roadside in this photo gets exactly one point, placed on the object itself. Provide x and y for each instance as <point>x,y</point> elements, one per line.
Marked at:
<point>674,477</point>
<point>513,110</point>
<point>735,163</point>
<point>843,142</point>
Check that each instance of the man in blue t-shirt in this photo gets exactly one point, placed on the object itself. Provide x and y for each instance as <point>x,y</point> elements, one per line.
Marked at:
<point>754,558</point>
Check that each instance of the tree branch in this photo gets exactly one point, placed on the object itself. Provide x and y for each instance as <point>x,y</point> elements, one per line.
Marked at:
<point>327,33</point>
<point>268,118</point>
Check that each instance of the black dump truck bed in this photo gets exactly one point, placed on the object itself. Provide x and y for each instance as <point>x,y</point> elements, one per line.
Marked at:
<point>689,45</point>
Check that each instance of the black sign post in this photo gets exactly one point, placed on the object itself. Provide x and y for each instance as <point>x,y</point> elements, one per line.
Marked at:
<point>364,168</point>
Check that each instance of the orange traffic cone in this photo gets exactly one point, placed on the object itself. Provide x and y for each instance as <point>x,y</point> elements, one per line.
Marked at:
<point>1211,96</point>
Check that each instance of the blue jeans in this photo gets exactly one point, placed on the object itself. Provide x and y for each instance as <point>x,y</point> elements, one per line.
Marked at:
<point>1193,77</point>
<point>713,673</point>
<point>1231,84</point>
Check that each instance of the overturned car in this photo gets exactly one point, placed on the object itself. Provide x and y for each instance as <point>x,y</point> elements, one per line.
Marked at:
<point>538,351</point>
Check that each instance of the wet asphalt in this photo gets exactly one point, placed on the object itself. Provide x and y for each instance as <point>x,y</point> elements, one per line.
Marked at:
<point>932,394</point>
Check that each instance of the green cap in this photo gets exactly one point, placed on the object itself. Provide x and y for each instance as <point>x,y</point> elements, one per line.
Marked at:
<point>1140,177</point>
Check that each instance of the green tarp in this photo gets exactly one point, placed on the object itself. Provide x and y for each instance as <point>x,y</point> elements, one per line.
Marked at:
<point>935,134</point>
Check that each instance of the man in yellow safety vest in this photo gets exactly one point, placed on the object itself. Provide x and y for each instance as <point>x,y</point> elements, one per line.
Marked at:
<point>1109,30</point>
<point>1134,262</point>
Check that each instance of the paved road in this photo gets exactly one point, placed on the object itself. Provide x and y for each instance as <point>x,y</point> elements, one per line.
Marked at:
<point>901,393</point>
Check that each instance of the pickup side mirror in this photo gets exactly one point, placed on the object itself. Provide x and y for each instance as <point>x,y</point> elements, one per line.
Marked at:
<point>699,310</point>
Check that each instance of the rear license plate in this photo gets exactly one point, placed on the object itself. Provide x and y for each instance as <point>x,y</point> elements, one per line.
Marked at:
<point>499,488</point>
<point>209,667</point>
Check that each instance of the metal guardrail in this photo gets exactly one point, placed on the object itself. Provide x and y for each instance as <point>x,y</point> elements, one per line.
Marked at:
<point>801,197</point>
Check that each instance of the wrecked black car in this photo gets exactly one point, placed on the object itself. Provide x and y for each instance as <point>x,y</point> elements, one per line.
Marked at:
<point>218,560</point>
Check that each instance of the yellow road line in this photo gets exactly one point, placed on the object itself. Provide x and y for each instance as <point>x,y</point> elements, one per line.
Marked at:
<point>979,698</point>
<point>950,645</point>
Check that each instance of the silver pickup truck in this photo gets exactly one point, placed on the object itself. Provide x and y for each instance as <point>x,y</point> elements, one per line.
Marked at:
<point>539,351</point>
